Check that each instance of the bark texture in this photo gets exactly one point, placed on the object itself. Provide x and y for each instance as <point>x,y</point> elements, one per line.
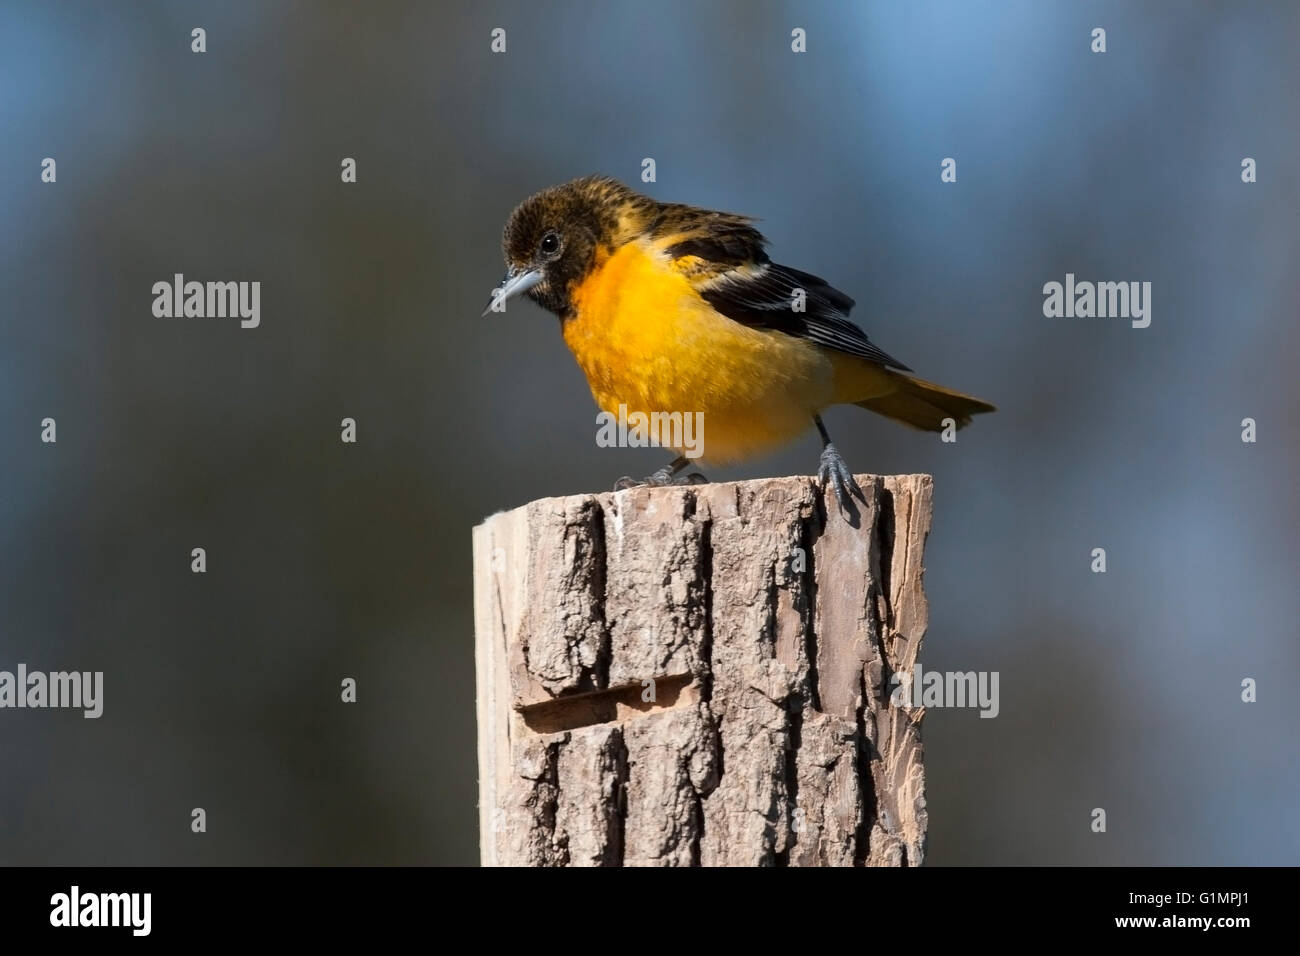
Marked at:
<point>700,676</point>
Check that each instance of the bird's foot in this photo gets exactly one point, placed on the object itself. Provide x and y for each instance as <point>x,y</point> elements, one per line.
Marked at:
<point>834,472</point>
<point>662,478</point>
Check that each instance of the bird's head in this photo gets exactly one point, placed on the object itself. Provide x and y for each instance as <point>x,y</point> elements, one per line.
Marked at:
<point>552,238</point>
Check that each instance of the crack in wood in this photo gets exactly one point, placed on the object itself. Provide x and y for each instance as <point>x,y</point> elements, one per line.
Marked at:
<point>617,704</point>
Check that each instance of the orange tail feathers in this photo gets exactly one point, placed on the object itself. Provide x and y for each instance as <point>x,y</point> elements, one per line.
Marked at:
<point>925,405</point>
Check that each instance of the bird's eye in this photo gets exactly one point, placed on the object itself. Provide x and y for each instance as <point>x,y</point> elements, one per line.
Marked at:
<point>550,244</point>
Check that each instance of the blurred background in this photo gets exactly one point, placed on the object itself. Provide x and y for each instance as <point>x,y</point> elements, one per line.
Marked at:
<point>1118,690</point>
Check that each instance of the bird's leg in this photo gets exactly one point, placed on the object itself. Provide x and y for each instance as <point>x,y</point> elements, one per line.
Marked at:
<point>834,471</point>
<point>667,475</point>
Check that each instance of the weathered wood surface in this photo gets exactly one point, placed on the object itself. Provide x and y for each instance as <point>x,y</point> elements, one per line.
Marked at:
<point>770,626</point>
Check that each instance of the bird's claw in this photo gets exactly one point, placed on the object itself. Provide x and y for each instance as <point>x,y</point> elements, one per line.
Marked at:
<point>662,478</point>
<point>835,472</point>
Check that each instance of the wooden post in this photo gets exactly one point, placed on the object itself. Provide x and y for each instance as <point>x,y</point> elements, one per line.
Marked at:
<point>700,676</point>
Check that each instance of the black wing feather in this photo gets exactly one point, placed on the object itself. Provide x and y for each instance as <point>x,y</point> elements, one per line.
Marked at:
<point>764,301</point>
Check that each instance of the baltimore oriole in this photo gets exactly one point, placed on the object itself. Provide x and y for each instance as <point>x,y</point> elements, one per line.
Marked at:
<point>670,308</point>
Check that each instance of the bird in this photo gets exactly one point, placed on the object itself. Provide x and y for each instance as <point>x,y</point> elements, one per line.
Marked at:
<point>670,308</point>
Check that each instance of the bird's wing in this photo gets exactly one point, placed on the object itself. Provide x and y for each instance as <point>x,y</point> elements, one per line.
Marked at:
<point>722,256</point>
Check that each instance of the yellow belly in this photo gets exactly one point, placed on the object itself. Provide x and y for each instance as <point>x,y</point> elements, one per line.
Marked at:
<point>646,340</point>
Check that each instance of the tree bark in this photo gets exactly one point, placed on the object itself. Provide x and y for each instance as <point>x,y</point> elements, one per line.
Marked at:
<point>700,676</point>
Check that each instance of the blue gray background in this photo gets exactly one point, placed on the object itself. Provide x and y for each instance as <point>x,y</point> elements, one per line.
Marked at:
<point>327,560</point>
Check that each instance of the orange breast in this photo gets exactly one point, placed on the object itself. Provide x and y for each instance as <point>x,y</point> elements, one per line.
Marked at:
<point>647,340</point>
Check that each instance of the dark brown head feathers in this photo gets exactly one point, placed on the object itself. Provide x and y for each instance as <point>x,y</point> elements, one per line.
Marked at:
<point>560,231</point>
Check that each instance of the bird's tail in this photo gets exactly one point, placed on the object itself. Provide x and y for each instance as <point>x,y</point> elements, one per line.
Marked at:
<point>923,404</point>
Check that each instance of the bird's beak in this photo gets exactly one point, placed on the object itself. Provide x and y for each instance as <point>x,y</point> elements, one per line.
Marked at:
<point>516,282</point>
